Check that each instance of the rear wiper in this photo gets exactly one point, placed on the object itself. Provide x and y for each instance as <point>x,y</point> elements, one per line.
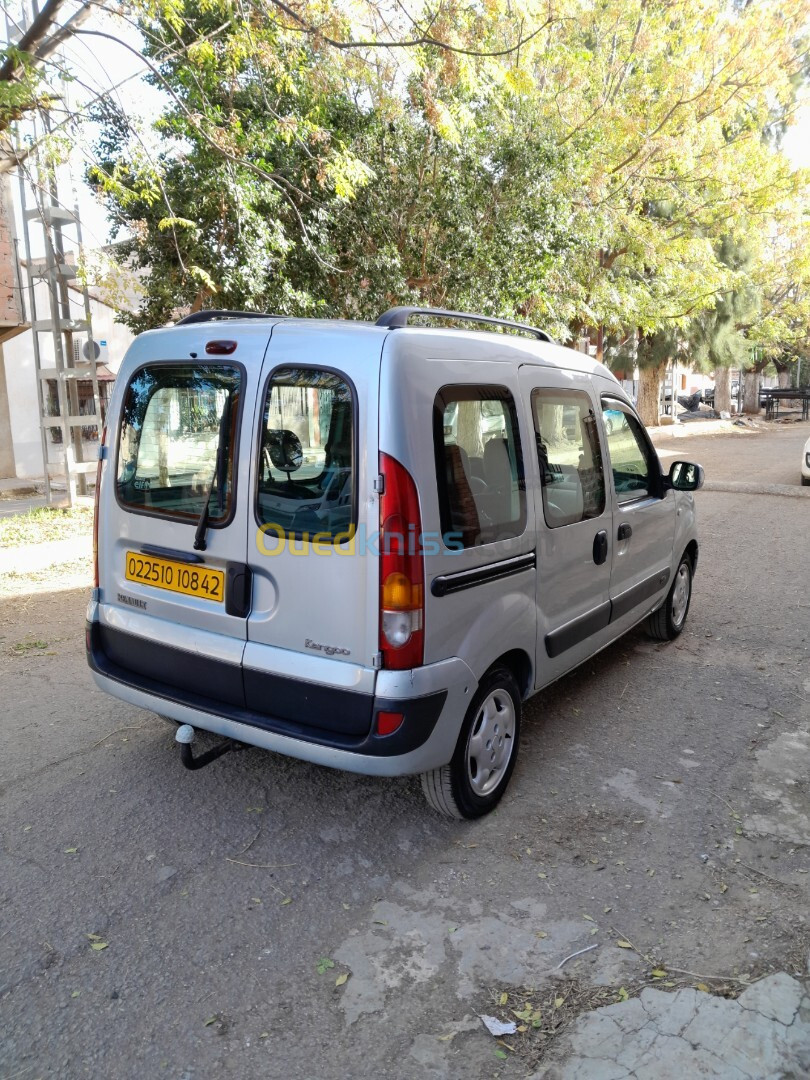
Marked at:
<point>216,478</point>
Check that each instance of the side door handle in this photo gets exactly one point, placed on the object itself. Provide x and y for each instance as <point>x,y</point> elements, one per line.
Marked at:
<point>600,547</point>
<point>625,532</point>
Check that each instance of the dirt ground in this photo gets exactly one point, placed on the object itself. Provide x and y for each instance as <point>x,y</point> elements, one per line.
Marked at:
<point>165,923</point>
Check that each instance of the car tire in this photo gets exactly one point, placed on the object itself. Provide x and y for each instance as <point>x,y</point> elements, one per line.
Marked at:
<point>668,621</point>
<point>474,781</point>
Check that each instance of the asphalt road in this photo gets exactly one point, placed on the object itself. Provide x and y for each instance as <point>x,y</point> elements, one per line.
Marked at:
<point>155,922</point>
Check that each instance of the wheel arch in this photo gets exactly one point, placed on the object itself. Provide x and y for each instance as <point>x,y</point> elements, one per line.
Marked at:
<point>519,663</point>
<point>692,551</point>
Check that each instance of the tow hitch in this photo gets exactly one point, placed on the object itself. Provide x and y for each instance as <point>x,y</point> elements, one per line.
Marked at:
<point>184,737</point>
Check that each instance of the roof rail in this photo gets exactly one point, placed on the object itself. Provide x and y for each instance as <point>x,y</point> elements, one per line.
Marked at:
<point>398,317</point>
<point>215,314</point>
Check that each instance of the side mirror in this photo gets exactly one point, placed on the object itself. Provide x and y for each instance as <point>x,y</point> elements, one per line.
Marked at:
<point>685,476</point>
<point>285,449</point>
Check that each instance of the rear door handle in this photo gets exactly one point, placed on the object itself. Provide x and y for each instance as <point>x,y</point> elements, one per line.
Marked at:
<point>238,589</point>
<point>600,547</point>
<point>625,532</point>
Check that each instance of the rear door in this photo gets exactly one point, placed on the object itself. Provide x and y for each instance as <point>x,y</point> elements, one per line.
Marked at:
<point>312,631</point>
<point>169,611</point>
<point>643,515</point>
<point>573,518</point>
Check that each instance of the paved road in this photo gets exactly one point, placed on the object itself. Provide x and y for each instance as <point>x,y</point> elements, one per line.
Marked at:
<point>661,799</point>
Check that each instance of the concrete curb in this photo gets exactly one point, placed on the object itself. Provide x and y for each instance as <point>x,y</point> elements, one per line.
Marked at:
<point>33,557</point>
<point>742,488</point>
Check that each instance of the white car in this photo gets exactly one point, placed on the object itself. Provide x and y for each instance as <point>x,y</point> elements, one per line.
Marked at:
<point>806,464</point>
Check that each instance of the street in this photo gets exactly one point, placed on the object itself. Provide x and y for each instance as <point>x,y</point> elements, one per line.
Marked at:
<point>157,922</point>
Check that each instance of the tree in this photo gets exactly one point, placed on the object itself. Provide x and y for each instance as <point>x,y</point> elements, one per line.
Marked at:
<point>293,181</point>
<point>717,336</point>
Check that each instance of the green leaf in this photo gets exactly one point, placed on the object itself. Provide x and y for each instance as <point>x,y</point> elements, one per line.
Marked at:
<point>97,946</point>
<point>324,964</point>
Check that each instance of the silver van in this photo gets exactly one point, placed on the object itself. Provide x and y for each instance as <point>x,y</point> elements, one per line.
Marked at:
<point>366,545</point>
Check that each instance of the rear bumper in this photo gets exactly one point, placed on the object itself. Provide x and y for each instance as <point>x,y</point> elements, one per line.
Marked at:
<point>324,726</point>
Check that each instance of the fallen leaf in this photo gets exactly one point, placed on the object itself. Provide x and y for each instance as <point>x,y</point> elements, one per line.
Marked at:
<point>540,934</point>
<point>347,907</point>
<point>452,929</point>
<point>211,1020</point>
<point>544,876</point>
<point>522,1028</point>
<point>265,1035</point>
<point>658,973</point>
<point>503,998</point>
<point>75,993</point>
<point>624,944</point>
<point>501,1055</point>
<point>623,995</point>
<point>380,922</point>
<point>286,900</point>
<point>607,909</point>
<point>71,850</point>
<point>99,945</point>
<point>94,937</point>
<point>341,979</point>
<point>447,1038</point>
<point>588,918</point>
<point>324,964</point>
<point>724,888</point>
<point>702,986</point>
<point>559,1002</point>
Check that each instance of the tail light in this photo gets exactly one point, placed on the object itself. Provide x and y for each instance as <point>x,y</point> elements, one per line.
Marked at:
<point>96,506</point>
<point>402,570</point>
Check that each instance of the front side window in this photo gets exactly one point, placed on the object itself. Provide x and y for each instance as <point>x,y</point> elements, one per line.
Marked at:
<point>307,455</point>
<point>479,466</point>
<point>631,456</point>
<point>177,441</point>
<point>569,455</point>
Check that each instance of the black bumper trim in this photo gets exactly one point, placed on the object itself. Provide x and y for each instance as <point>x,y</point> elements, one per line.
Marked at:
<point>218,688</point>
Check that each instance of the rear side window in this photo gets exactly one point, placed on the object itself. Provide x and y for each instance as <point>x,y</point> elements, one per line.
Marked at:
<point>307,456</point>
<point>569,456</point>
<point>479,467</point>
<point>177,440</point>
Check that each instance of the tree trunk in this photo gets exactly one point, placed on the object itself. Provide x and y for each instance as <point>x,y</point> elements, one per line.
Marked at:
<point>722,389</point>
<point>649,386</point>
<point>784,379</point>
<point>751,381</point>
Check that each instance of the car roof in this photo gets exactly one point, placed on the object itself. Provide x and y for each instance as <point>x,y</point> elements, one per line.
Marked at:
<point>521,349</point>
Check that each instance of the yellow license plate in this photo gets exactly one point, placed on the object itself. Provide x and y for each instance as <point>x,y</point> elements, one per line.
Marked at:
<point>186,578</point>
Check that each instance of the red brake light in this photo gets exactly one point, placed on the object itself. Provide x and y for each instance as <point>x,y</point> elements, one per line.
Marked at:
<point>402,570</point>
<point>95,506</point>
<point>220,348</point>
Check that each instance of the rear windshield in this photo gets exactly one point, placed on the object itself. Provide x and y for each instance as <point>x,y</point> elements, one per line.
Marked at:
<point>177,439</point>
<point>306,465</point>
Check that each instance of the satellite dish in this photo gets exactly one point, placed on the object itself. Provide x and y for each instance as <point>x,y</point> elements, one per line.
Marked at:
<point>86,350</point>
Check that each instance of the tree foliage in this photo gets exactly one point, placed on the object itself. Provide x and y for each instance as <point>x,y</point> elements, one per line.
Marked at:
<point>579,163</point>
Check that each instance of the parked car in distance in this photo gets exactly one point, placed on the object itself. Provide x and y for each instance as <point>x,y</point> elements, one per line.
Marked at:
<point>367,545</point>
<point>806,464</point>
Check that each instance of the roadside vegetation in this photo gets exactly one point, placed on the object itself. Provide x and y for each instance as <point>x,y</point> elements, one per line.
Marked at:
<point>45,523</point>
